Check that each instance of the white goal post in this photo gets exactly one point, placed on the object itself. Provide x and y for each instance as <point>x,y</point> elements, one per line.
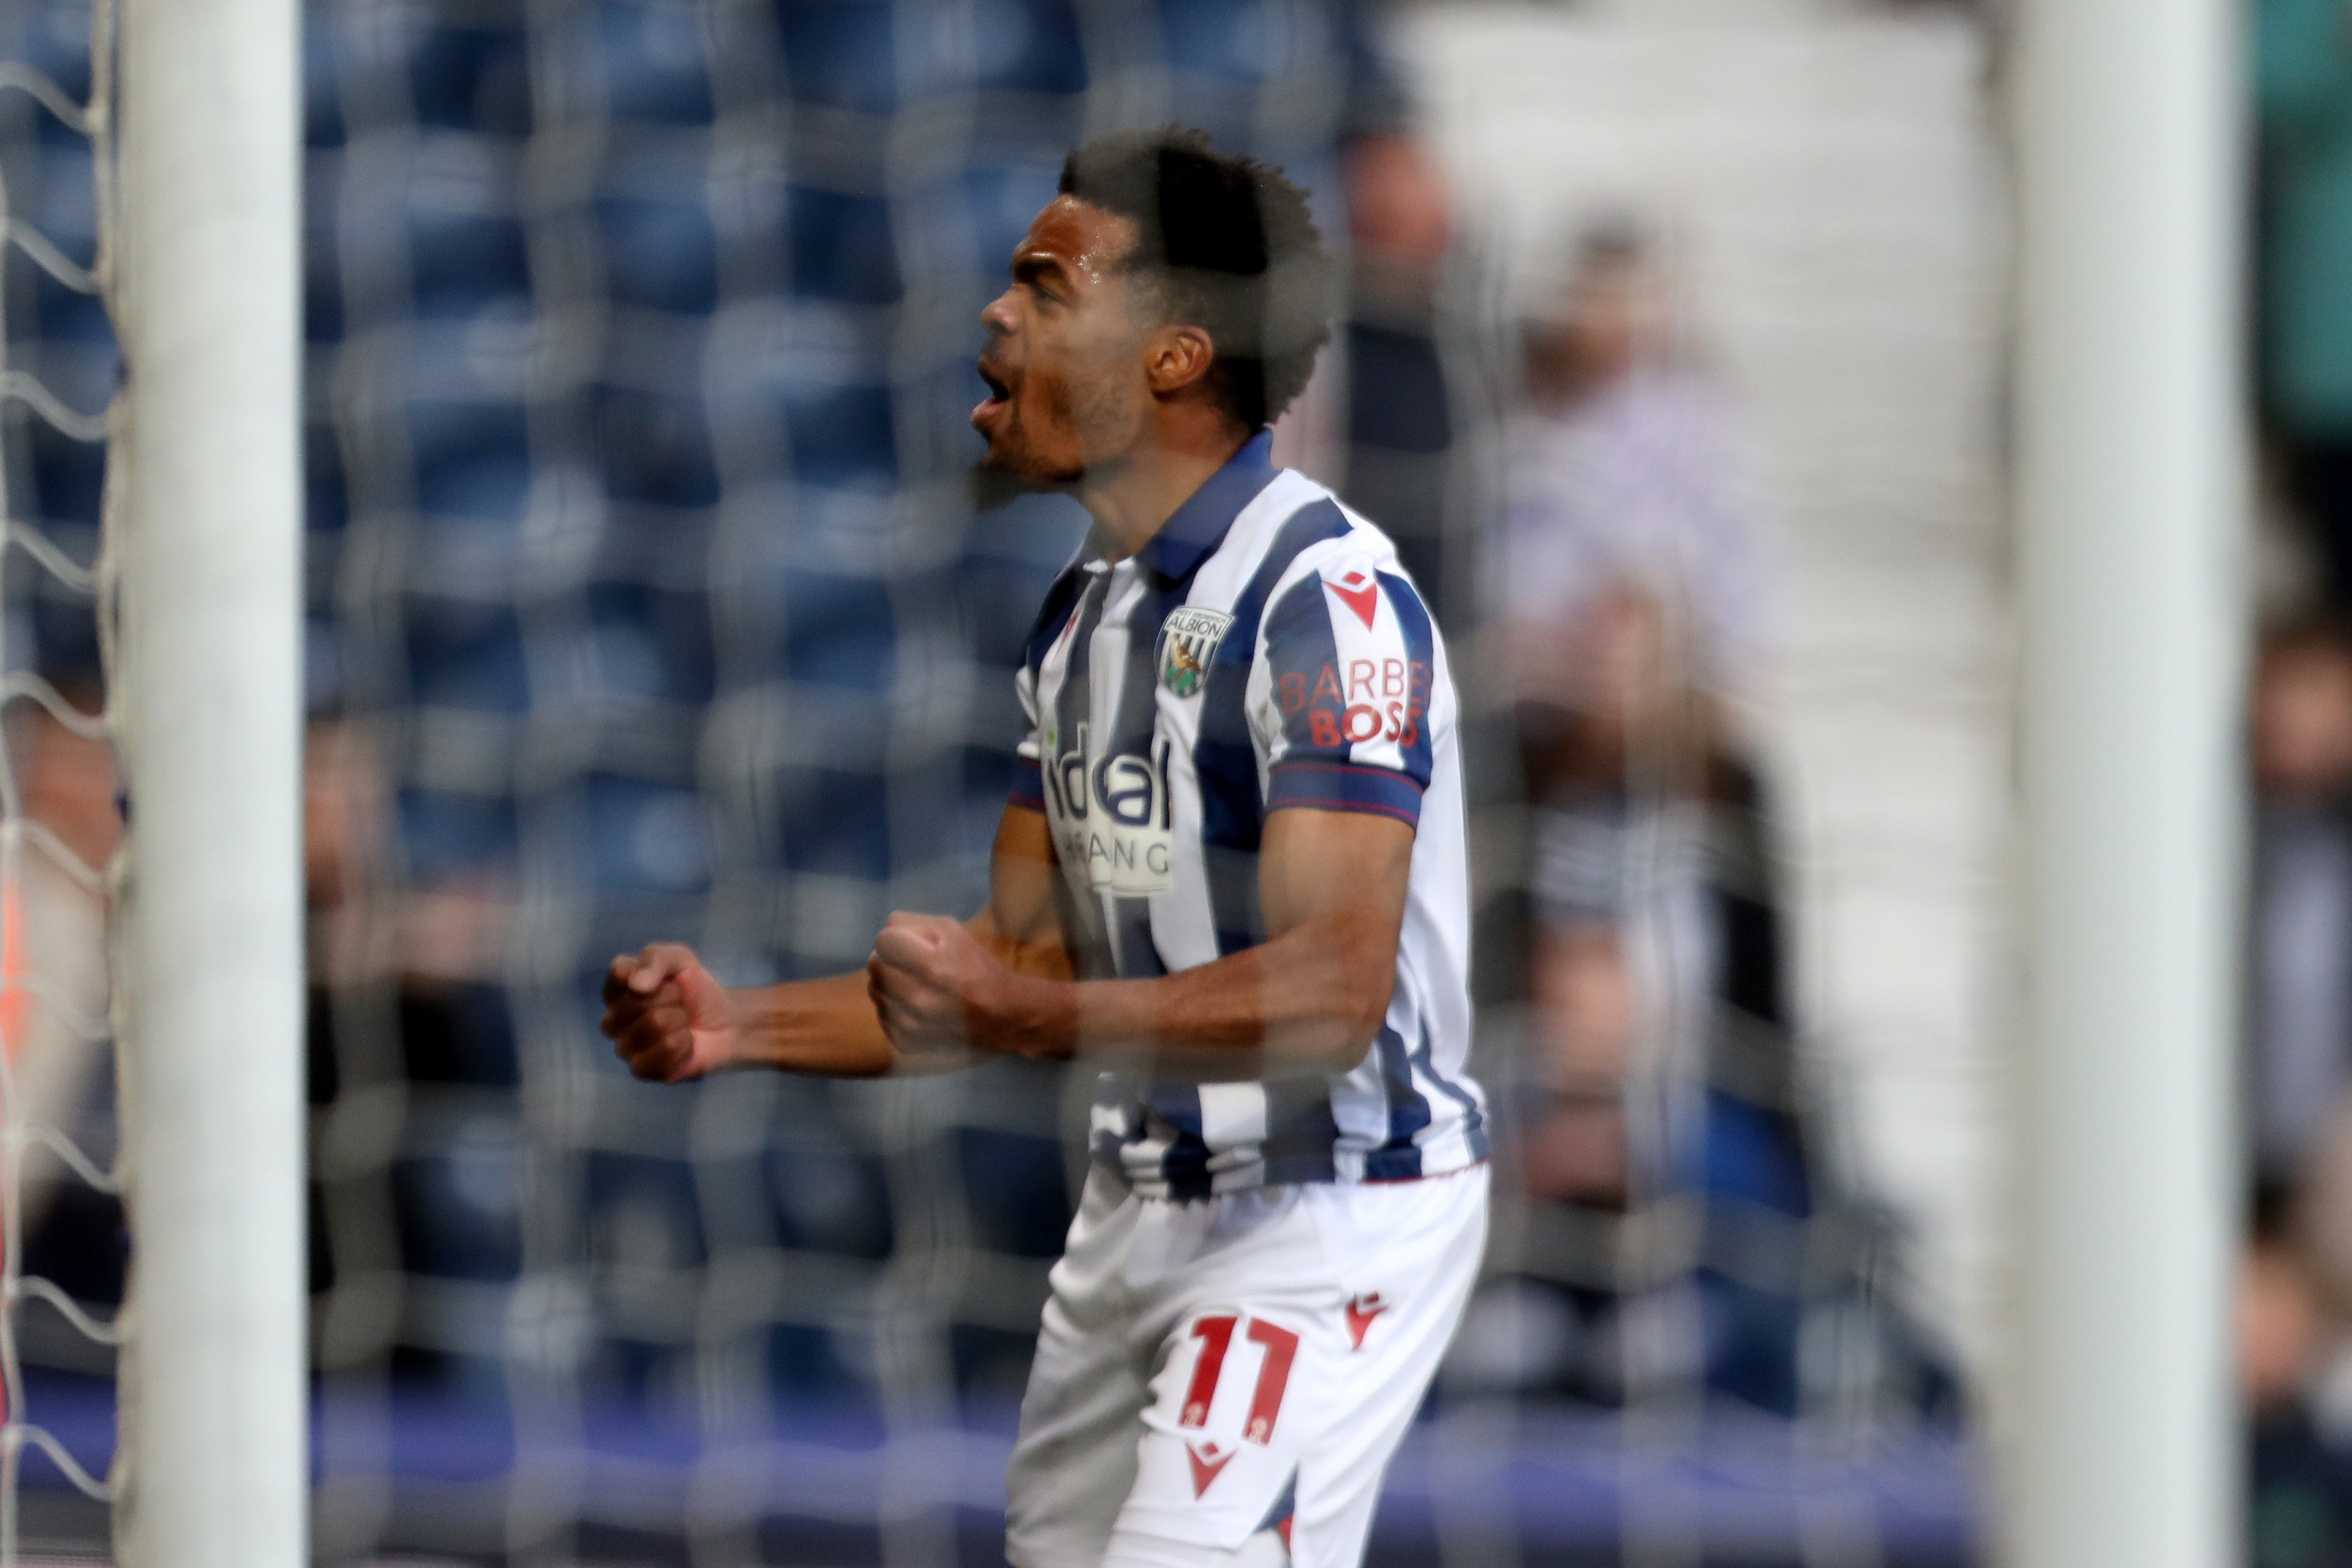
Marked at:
<point>207,297</point>
<point>2120,1439</point>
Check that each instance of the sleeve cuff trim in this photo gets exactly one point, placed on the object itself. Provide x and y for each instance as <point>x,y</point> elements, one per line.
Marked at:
<point>1028,784</point>
<point>1345,786</point>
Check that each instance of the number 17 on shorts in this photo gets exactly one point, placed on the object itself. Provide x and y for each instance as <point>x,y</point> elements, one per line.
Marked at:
<point>1229,1410</point>
<point>1216,1333</point>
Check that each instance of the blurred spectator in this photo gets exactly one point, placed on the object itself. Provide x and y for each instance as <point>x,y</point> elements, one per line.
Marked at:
<point>407,1021</point>
<point>2281,1331</point>
<point>53,1009</point>
<point>1403,421</point>
<point>1630,561</point>
<point>55,993</point>
<point>2302,59</point>
<point>2295,1284</point>
<point>2301,958</point>
<point>1629,593</point>
<point>1398,215</point>
<point>2291,1300</point>
<point>1659,1140</point>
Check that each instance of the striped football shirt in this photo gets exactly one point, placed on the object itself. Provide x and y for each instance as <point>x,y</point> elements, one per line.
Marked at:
<point>1264,650</point>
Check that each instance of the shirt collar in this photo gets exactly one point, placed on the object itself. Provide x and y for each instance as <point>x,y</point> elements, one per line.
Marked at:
<point>1195,530</point>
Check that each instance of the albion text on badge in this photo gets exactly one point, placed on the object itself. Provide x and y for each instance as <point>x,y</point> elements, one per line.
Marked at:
<point>1188,644</point>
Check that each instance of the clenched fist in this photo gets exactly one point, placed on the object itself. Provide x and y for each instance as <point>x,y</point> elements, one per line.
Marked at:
<point>937,990</point>
<point>666,1015</point>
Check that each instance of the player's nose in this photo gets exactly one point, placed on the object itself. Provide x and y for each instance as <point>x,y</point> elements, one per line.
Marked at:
<point>997,317</point>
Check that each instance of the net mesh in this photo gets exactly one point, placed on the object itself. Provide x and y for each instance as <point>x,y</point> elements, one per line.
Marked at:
<point>646,602</point>
<point>60,826</point>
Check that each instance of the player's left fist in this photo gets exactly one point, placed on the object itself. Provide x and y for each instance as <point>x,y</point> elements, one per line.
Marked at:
<point>935,988</point>
<point>667,1017</point>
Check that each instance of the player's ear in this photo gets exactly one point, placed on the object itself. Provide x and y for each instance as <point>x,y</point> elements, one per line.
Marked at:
<point>1176,357</point>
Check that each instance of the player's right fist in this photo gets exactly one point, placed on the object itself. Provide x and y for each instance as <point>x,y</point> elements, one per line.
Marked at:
<point>666,1015</point>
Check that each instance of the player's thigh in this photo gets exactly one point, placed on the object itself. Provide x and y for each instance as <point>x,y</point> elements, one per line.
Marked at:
<point>1412,1255</point>
<point>1296,1361</point>
<point>1272,1419</point>
<point>1249,1343</point>
<point>1072,1464</point>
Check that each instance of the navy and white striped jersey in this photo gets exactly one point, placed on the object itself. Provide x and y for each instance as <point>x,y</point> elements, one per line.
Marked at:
<point>1264,650</point>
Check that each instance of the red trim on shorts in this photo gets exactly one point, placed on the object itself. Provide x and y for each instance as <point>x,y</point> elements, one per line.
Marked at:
<point>1401,1181</point>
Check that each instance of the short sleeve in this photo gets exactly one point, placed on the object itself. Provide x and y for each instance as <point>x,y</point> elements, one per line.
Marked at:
<point>1350,656</point>
<point>1028,768</point>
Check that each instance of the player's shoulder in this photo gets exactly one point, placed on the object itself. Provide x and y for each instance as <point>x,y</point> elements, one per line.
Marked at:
<point>1342,544</point>
<point>1054,611</point>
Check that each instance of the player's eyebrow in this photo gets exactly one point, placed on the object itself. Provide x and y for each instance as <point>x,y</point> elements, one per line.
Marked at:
<point>1039,267</point>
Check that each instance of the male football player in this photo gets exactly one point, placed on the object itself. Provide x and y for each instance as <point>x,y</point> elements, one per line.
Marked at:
<point>1232,876</point>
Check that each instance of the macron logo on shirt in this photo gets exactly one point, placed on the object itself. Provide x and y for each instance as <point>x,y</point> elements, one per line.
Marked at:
<point>1357,589</point>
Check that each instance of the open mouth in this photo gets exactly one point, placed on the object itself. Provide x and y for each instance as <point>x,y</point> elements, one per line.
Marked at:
<point>1000,391</point>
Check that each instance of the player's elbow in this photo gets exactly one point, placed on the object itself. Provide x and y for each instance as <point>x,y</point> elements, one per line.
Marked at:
<point>1356,1021</point>
<point>1356,978</point>
<point>1331,1032</point>
<point>1349,1054</point>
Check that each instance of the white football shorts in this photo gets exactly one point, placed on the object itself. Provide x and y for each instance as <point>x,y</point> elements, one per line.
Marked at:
<point>1221,1379</point>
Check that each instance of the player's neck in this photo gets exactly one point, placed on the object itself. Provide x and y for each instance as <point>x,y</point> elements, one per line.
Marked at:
<point>1132,498</point>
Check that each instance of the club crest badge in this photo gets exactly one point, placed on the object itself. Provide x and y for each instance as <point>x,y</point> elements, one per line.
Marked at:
<point>1187,646</point>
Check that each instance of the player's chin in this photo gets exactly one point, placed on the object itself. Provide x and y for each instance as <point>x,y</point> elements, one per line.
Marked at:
<point>994,482</point>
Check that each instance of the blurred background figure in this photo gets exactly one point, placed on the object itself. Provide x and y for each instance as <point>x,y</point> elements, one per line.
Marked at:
<point>1630,594</point>
<point>54,986</point>
<point>2301,975</point>
<point>2295,1285</point>
<point>1662,1121</point>
<point>1407,415</point>
<point>1623,485</point>
<point>2299,1506</point>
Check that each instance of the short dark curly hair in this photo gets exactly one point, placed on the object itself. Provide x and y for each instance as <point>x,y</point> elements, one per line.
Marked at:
<point>1230,248</point>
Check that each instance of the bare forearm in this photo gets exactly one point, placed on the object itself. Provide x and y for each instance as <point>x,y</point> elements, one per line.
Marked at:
<point>671,1021</point>
<point>824,1027</point>
<point>1311,1001</point>
<point>829,1027</point>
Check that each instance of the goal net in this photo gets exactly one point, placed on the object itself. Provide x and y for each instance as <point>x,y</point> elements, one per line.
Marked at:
<point>60,826</point>
<point>646,599</point>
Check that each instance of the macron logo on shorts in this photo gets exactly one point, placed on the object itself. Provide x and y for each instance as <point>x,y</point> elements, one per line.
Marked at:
<point>1208,1463</point>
